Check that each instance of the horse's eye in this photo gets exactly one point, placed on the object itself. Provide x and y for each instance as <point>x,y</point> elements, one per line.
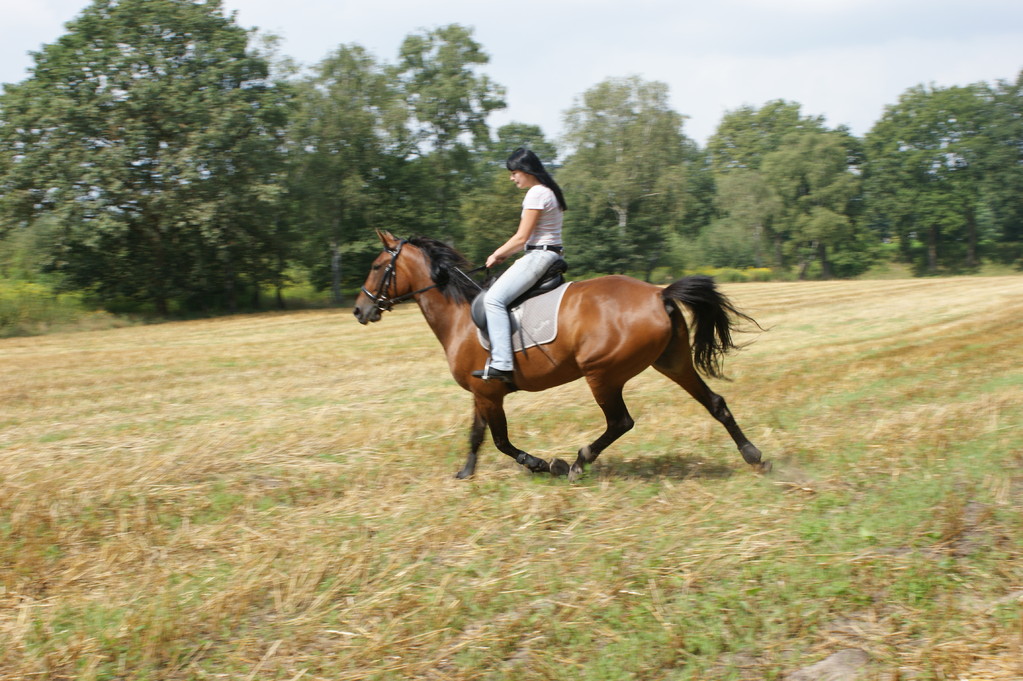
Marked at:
<point>376,267</point>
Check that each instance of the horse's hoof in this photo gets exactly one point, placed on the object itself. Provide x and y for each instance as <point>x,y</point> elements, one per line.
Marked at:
<point>750,454</point>
<point>574,473</point>
<point>559,467</point>
<point>463,475</point>
<point>763,468</point>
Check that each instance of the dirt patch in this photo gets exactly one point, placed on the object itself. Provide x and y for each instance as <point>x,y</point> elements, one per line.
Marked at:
<point>845,665</point>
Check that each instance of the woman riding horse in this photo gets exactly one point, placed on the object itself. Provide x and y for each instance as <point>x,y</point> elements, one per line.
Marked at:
<point>540,233</point>
<point>610,329</point>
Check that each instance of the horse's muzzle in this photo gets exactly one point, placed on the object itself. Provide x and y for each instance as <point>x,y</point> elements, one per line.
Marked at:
<point>366,313</point>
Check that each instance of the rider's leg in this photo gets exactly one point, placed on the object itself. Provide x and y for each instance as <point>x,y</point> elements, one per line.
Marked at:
<point>525,272</point>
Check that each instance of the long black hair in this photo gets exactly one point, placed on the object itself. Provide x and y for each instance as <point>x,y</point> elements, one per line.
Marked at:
<point>528,162</point>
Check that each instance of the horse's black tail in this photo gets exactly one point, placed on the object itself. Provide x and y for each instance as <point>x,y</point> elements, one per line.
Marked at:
<point>714,320</point>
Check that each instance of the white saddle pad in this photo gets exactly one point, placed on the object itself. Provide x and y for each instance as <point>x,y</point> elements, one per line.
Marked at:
<point>535,322</point>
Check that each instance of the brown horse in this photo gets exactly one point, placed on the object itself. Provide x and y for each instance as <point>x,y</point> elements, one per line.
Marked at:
<point>610,329</point>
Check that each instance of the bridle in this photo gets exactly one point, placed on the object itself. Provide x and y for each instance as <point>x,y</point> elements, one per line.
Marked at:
<point>381,300</point>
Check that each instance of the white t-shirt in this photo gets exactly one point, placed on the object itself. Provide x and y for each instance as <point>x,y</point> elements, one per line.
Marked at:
<point>548,227</point>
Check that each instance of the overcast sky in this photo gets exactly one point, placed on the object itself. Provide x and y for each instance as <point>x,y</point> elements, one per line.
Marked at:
<point>841,59</point>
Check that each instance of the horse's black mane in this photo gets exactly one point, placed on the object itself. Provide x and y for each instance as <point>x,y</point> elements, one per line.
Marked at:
<point>444,260</point>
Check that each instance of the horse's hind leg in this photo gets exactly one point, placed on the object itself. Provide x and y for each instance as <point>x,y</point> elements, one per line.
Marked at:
<point>677,364</point>
<point>618,419</point>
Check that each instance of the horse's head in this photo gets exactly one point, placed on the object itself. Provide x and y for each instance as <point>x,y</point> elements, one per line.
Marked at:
<point>380,291</point>
<point>406,268</point>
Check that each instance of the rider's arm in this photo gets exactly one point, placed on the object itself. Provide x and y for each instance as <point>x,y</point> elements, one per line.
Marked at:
<point>530,218</point>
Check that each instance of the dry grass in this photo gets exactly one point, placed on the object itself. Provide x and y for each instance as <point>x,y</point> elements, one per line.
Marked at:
<point>271,497</point>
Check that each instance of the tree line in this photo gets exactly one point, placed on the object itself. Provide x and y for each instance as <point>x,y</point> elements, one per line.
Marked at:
<point>159,154</point>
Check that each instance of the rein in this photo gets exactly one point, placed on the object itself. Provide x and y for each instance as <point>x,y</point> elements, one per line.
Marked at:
<point>384,303</point>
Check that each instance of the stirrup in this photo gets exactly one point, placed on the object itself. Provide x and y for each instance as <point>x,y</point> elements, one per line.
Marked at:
<point>488,373</point>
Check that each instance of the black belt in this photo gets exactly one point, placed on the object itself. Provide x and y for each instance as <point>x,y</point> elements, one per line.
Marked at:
<point>556,249</point>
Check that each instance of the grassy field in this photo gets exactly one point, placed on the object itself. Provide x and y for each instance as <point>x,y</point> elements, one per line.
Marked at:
<point>271,497</point>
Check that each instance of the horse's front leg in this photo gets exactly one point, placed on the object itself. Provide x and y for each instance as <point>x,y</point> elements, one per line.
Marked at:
<point>491,409</point>
<point>476,434</point>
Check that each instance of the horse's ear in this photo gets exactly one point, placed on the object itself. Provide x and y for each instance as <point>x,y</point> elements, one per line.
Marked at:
<point>389,240</point>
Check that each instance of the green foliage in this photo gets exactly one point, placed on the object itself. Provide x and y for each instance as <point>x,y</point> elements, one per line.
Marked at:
<point>1003,170</point>
<point>514,135</point>
<point>24,253</point>
<point>789,188</point>
<point>812,175</point>
<point>445,96</point>
<point>627,174</point>
<point>941,172</point>
<point>749,207</point>
<point>448,103</point>
<point>746,135</point>
<point>160,160</point>
<point>736,275</point>
<point>28,308</point>
<point>345,120</point>
<point>151,133</point>
<point>725,243</point>
<point>487,213</point>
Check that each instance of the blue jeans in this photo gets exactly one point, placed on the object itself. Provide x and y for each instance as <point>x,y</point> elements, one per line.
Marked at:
<point>526,271</point>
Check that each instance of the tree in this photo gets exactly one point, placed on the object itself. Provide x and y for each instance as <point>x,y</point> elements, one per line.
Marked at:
<point>347,121</point>
<point>924,174</point>
<point>815,187</point>
<point>626,173</point>
<point>700,188</point>
<point>1003,176</point>
<point>153,136</point>
<point>743,236</point>
<point>788,185</point>
<point>514,135</point>
<point>448,104</point>
<point>747,134</point>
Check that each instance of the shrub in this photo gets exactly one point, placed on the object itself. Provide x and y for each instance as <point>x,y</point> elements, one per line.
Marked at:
<point>28,309</point>
<point>731,274</point>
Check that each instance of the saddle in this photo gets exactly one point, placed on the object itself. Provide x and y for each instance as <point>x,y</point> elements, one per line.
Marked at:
<point>552,279</point>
